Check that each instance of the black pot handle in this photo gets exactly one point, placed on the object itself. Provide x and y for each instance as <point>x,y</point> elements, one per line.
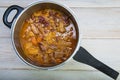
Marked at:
<point>85,57</point>
<point>7,12</point>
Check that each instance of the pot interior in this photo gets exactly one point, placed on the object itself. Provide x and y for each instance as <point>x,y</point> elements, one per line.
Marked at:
<point>27,13</point>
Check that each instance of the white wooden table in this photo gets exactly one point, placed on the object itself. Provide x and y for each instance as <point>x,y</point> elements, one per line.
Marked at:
<point>100,25</point>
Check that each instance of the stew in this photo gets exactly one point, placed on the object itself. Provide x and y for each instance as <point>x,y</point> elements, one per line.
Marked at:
<point>48,37</point>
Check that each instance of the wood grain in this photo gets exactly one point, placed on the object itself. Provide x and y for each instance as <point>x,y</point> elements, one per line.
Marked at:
<point>100,26</point>
<point>105,50</point>
<point>70,3</point>
<point>52,75</point>
<point>94,22</point>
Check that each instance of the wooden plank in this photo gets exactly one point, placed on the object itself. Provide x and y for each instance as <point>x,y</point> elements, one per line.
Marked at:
<point>4,31</point>
<point>70,3</point>
<point>99,22</point>
<point>52,75</point>
<point>106,50</point>
<point>94,22</point>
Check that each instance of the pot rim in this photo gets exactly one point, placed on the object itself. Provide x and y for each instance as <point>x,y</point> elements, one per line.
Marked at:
<point>79,36</point>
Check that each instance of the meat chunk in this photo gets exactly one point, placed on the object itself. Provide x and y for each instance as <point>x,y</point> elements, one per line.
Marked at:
<point>34,29</point>
<point>61,27</point>
<point>43,21</point>
<point>45,58</point>
<point>52,59</point>
<point>58,54</point>
<point>42,47</point>
<point>30,21</point>
<point>66,20</point>
<point>53,46</point>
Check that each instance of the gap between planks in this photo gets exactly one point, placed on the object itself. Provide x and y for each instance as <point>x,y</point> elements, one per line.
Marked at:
<point>95,23</point>
<point>52,75</point>
<point>70,3</point>
<point>106,51</point>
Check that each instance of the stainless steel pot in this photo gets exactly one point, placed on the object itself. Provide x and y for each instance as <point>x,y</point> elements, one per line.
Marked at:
<point>79,54</point>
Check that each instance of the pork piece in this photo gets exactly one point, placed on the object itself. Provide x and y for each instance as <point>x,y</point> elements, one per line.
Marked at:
<point>67,38</point>
<point>46,58</point>
<point>57,20</point>
<point>46,23</point>
<point>68,43</point>
<point>52,13</point>
<point>28,29</point>
<point>64,58</point>
<point>27,32</point>
<point>36,19</point>
<point>67,51</point>
<point>43,21</point>
<point>62,55</point>
<point>30,21</point>
<point>66,20</point>
<point>49,51</point>
<point>52,59</point>
<point>61,27</point>
<point>29,35</point>
<point>53,46</point>
<point>41,29</point>
<point>70,34</point>
<point>62,43</point>
<point>50,37</point>
<point>34,29</point>
<point>52,24</point>
<point>58,54</point>
<point>42,47</point>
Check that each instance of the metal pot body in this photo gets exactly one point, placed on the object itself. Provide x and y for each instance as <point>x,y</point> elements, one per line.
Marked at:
<point>26,13</point>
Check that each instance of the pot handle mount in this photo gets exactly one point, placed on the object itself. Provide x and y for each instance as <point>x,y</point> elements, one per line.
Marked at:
<point>7,12</point>
<point>85,57</point>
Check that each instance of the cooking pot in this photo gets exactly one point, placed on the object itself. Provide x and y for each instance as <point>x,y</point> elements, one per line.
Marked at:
<point>79,54</point>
